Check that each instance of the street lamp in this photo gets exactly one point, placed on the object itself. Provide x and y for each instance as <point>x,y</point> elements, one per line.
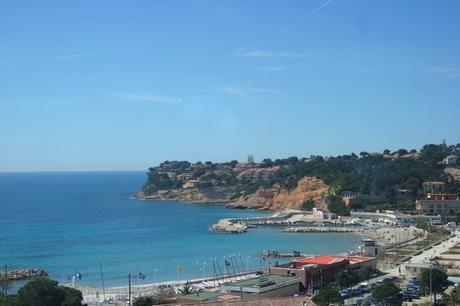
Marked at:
<point>204,269</point>
<point>155,277</point>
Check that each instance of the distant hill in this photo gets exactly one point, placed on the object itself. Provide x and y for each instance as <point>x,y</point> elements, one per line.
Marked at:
<point>389,180</point>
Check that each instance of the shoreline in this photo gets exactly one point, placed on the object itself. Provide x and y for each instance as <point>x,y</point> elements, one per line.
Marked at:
<point>96,294</point>
<point>230,204</point>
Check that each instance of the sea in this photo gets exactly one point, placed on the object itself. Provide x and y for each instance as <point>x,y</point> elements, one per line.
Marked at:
<point>88,222</point>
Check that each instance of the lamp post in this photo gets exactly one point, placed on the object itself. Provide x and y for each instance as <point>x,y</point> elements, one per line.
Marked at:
<point>204,269</point>
<point>129,288</point>
<point>155,275</point>
<point>431,287</point>
<point>199,269</point>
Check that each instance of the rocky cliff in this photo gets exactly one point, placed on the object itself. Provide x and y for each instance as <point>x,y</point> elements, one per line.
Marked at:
<point>241,188</point>
<point>280,198</point>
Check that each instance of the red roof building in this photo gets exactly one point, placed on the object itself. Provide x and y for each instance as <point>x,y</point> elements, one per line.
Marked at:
<point>316,270</point>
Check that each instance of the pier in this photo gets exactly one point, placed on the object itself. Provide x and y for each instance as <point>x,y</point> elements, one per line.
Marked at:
<point>240,225</point>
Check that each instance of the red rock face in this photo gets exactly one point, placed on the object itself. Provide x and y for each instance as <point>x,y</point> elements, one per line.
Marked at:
<point>277,198</point>
<point>274,198</point>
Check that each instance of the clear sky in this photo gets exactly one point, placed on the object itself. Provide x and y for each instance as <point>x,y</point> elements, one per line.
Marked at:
<point>118,85</point>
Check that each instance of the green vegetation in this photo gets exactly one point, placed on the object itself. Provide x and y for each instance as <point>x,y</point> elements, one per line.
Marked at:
<point>388,180</point>
<point>336,205</point>
<point>387,294</point>
<point>162,295</point>
<point>327,296</point>
<point>144,301</point>
<point>431,239</point>
<point>308,205</point>
<point>452,298</point>
<point>348,278</point>
<point>434,277</point>
<point>43,292</point>
<point>187,289</point>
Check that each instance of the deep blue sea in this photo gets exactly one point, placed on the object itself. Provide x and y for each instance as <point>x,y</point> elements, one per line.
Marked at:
<point>68,222</point>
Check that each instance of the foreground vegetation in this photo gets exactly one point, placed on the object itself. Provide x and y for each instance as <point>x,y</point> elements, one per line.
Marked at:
<point>43,292</point>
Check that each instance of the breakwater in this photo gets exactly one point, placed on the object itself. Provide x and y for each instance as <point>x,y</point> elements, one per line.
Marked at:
<point>303,229</point>
<point>21,274</point>
<point>240,225</point>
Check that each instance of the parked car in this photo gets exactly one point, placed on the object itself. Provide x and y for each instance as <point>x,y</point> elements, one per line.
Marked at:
<point>365,287</point>
<point>345,293</point>
<point>356,292</point>
<point>406,297</point>
<point>387,280</point>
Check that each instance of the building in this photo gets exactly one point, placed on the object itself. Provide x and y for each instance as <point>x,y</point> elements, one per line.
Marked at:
<point>317,270</point>
<point>413,269</point>
<point>191,184</point>
<point>390,217</point>
<point>255,174</point>
<point>264,286</point>
<point>440,203</point>
<point>450,160</point>
<point>433,187</point>
<point>349,197</point>
<point>435,200</point>
<point>369,247</point>
<point>323,215</point>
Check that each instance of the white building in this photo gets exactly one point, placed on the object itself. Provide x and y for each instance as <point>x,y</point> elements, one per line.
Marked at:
<point>370,248</point>
<point>450,160</point>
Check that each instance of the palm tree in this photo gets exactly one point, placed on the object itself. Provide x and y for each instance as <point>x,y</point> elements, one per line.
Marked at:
<point>188,289</point>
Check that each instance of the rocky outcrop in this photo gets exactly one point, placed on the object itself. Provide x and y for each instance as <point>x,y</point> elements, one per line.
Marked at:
<point>278,198</point>
<point>227,226</point>
<point>275,198</point>
<point>20,274</point>
<point>213,194</point>
<point>454,172</point>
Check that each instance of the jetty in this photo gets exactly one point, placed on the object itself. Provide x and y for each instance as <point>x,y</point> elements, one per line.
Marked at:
<point>240,225</point>
<point>278,254</point>
<point>305,229</point>
<point>21,274</point>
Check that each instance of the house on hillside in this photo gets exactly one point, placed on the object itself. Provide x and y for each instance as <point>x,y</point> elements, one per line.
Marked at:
<point>433,187</point>
<point>435,200</point>
<point>450,160</point>
<point>348,197</point>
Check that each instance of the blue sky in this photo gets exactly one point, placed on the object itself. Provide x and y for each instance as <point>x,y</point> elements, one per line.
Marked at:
<point>121,85</point>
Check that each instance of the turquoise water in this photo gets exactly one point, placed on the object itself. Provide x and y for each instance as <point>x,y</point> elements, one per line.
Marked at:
<point>67,222</point>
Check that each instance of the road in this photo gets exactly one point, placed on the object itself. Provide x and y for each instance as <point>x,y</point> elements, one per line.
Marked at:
<point>399,271</point>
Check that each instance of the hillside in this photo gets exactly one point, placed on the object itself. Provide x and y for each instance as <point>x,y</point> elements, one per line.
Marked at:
<point>387,180</point>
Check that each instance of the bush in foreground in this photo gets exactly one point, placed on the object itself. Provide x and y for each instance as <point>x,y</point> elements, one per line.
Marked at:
<point>327,296</point>
<point>43,292</point>
<point>387,295</point>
